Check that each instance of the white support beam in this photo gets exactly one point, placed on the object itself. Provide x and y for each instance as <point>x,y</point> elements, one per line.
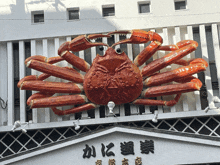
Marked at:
<point>215,38</point>
<point>34,72</point>
<point>93,55</point>
<point>196,93</point>
<point>21,75</point>
<point>132,118</point>
<point>10,83</point>
<point>208,80</point>
<point>168,68</point>
<point>45,53</point>
<point>72,116</point>
<point>3,82</point>
<point>184,96</point>
<point>84,113</point>
<point>56,47</point>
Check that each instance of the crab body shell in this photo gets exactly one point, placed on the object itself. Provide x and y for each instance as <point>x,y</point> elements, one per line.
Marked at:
<point>113,77</point>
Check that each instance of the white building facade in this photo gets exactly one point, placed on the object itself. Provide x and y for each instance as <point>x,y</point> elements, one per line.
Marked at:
<point>39,27</point>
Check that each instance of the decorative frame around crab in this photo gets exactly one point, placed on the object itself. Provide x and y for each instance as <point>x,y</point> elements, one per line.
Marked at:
<point>113,76</point>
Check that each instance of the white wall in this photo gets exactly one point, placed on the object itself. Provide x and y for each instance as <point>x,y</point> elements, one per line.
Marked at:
<point>15,16</point>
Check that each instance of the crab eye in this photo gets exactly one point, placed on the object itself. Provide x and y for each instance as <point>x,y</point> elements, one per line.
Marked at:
<point>118,50</point>
<point>101,48</point>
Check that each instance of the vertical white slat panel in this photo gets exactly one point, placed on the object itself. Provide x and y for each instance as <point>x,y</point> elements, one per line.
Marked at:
<point>129,49</point>
<point>208,80</point>
<point>56,47</point>
<point>93,55</point>
<point>21,75</point>
<point>67,39</point>
<point>84,113</point>
<point>133,108</point>
<point>105,40</point>
<point>215,38</point>
<point>196,93</point>
<point>34,72</point>
<point>10,84</point>
<point>39,51</point>
<point>184,96</point>
<point>3,82</point>
<point>168,68</point>
<point>64,63</point>
<point>160,54</point>
<point>45,53</point>
<point>141,47</point>
<point>72,116</point>
<point>117,107</point>
<point>176,38</point>
<point>155,56</point>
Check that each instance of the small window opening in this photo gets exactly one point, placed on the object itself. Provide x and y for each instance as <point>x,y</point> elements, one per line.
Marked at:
<point>108,10</point>
<point>73,13</point>
<point>37,16</point>
<point>144,7</point>
<point>180,5</point>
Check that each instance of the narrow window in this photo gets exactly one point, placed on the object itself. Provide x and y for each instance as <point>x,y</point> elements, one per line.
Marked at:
<point>144,7</point>
<point>73,13</point>
<point>180,4</point>
<point>108,10</point>
<point>37,16</point>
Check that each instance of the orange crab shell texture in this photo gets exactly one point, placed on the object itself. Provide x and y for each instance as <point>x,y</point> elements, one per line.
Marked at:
<point>113,77</point>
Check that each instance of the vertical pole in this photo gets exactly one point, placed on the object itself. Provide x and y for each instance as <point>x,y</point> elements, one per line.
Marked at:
<point>208,80</point>
<point>10,84</point>
<point>34,72</point>
<point>21,75</point>
<point>45,53</point>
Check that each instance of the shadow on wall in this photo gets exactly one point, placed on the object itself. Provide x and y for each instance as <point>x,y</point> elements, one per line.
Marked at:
<point>56,21</point>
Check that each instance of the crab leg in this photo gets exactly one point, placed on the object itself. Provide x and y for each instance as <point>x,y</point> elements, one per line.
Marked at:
<point>77,44</point>
<point>187,84</point>
<point>50,60</point>
<point>56,101</point>
<point>157,102</point>
<point>195,66</point>
<point>81,108</point>
<point>55,87</point>
<point>167,59</point>
<point>38,95</point>
<point>56,71</point>
<point>178,45</point>
<point>192,85</point>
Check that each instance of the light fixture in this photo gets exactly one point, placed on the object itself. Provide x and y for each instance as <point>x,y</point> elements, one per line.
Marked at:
<point>111,106</point>
<point>206,109</point>
<point>76,125</point>
<point>155,116</point>
<point>215,99</point>
<point>18,124</point>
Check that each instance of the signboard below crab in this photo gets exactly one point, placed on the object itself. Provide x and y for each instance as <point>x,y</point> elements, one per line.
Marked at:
<point>126,148</point>
<point>118,145</point>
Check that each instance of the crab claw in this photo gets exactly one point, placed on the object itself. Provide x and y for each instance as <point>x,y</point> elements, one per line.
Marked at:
<point>81,43</point>
<point>138,37</point>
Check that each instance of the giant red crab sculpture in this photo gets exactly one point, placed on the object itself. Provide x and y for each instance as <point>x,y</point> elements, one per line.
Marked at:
<point>113,76</point>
